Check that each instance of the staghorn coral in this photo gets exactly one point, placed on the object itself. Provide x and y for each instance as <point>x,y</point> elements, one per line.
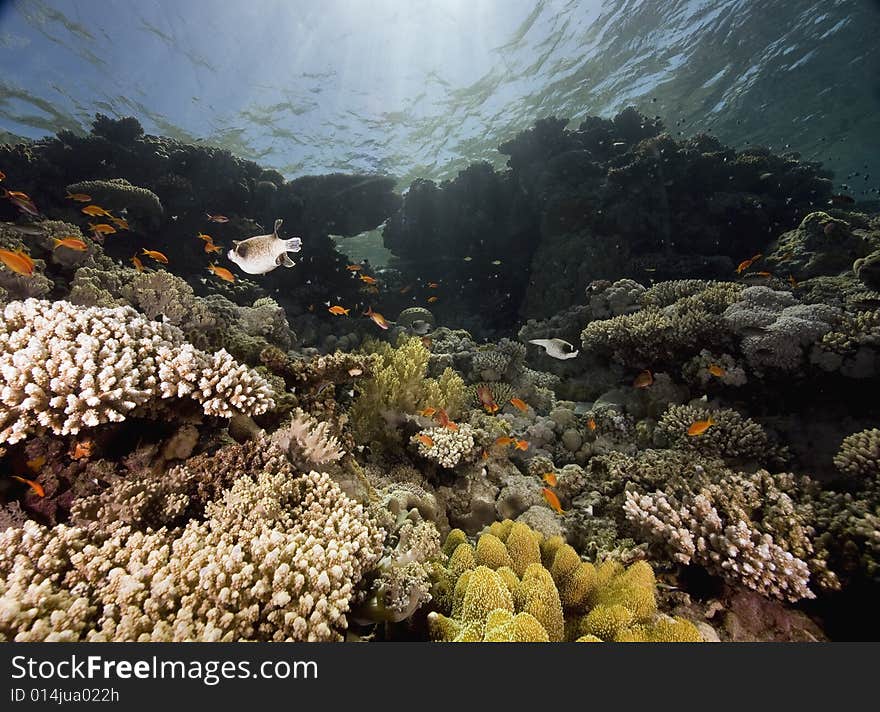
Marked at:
<point>275,559</point>
<point>731,436</point>
<point>65,368</point>
<point>859,454</point>
<point>449,447</point>
<point>517,586</point>
<point>693,530</point>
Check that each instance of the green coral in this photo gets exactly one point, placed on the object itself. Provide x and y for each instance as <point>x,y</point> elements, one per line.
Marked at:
<point>518,586</point>
<point>399,386</point>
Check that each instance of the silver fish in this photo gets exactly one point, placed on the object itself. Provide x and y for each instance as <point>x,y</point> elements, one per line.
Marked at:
<point>557,348</point>
<point>263,253</point>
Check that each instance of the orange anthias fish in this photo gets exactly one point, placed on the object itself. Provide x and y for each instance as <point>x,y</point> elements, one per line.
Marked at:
<point>521,445</point>
<point>222,273</point>
<point>217,218</point>
<point>644,380</point>
<point>18,262</point>
<point>96,210</point>
<point>79,197</point>
<point>443,419</point>
<point>427,412</point>
<point>433,285</point>
<point>204,237</point>
<point>35,486</point>
<point>20,200</point>
<point>354,268</point>
<point>377,318</point>
<point>82,449</point>
<point>407,288</point>
<point>338,310</point>
<point>486,400</point>
<point>71,243</point>
<point>425,440</point>
<point>138,265</point>
<point>366,279</point>
<point>550,478</point>
<point>700,426</point>
<point>102,229</point>
<point>716,370</point>
<point>519,404</point>
<point>552,500</point>
<point>211,247</point>
<point>431,300</point>
<point>159,257</point>
<point>763,274</point>
<point>591,423</point>
<point>120,223</point>
<point>504,441</point>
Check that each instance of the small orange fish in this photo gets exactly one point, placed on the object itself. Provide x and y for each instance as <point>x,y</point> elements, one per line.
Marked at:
<point>15,194</point>
<point>433,285</point>
<point>354,268</point>
<point>102,229</point>
<point>206,238</point>
<point>35,486</point>
<point>743,266</point>
<point>338,310</point>
<point>442,417</point>
<point>591,423</point>
<point>82,449</point>
<point>377,318</point>
<point>222,273</point>
<point>120,223</point>
<point>519,404</point>
<point>18,261</point>
<point>431,300</point>
<point>716,370</point>
<point>366,279</point>
<point>425,440</point>
<point>763,274</point>
<point>79,197</point>
<point>35,464</point>
<point>504,441</point>
<point>644,380</point>
<point>159,257</point>
<point>521,445</point>
<point>21,201</point>
<point>552,500</point>
<point>550,479</point>
<point>211,247</point>
<point>792,281</point>
<point>138,265</point>
<point>451,426</point>
<point>487,400</point>
<point>755,258</point>
<point>96,211</point>
<point>217,218</point>
<point>701,426</point>
<point>71,243</point>
<point>427,412</point>
<point>406,289</point>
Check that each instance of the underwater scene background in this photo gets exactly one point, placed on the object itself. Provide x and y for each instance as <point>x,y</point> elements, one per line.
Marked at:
<point>470,321</point>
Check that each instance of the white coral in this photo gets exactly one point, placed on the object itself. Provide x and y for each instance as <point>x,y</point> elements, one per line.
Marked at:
<point>66,368</point>
<point>304,437</point>
<point>448,447</point>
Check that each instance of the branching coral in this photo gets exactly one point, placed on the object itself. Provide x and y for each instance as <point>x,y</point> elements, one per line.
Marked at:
<point>307,442</point>
<point>275,559</point>
<point>66,368</point>
<point>859,454</point>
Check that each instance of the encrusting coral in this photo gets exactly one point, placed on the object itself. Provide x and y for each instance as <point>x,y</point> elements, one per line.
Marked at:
<point>66,368</point>
<point>517,586</point>
<point>276,558</point>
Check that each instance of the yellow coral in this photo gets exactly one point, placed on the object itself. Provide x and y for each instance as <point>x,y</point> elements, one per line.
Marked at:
<point>677,630</point>
<point>504,627</point>
<point>461,560</point>
<point>510,578</point>
<point>491,552</point>
<point>501,529</point>
<point>523,545</point>
<point>453,539</point>
<point>606,622</point>
<point>633,588</point>
<point>537,596</point>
